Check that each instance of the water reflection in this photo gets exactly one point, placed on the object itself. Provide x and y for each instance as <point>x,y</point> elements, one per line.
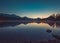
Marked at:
<point>56,36</point>
<point>29,32</point>
<point>54,24</point>
<point>6,24</point>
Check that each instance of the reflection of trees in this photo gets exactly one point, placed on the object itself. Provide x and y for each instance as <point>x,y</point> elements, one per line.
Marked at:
<point>6,24</point>
<point>50,23</point>
<point>56,36</point>
<point>57,24</point>
<point>54,24</point>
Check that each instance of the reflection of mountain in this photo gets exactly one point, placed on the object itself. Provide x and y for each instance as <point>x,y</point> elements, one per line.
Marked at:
<point>6,24</point>
<point>56,36</point>
<point>54,24</point>
<point>57,24</point>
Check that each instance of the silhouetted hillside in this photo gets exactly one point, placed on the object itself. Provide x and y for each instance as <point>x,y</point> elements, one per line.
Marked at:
<point>6,17</point>
<point>9,17</point>
<point>58,17</point>
<point>53,17</point>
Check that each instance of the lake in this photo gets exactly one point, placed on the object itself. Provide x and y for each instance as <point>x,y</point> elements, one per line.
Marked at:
<point>29,32</point>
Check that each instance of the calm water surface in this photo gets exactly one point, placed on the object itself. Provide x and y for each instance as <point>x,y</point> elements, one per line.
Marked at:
<point>28,32</point>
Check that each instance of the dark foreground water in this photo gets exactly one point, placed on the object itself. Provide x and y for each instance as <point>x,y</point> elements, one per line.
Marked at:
<point>29,32</point>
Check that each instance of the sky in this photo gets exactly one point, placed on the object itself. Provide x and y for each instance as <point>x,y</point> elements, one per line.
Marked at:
<point>30,8</point>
